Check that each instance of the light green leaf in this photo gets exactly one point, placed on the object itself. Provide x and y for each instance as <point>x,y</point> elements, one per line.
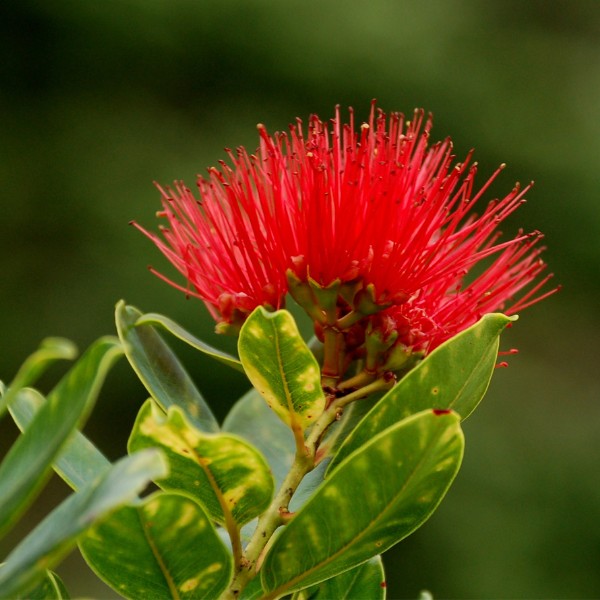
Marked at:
<point>454,376</point>
<point>50,350</point>
<point>159,369</point>
<point>79,461</point>
<point>281,367</point>
<point>185,336</point>
<point>226,474</point>
<point>27,465</point>
<point>50,587</point>
<point>380,494</point>
<point>54,537</point>
<point>165,547</point>
<point>364,582</point>
<point>253,420</point>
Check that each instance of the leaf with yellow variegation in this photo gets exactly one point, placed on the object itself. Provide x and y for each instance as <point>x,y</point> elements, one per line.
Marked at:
<point>226,474</point>
<point>281,367</point>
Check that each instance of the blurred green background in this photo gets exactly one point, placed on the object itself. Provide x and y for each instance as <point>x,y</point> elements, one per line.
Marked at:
<point>100,98</point>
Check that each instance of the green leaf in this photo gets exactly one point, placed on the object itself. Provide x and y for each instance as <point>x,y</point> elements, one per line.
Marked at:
<point>50,586</point>
<point>253,420</point>
<point>454,376</point>
<point>185,336</point>
<point>225,473</point>
<point>50,350</point>
<point>253,591</point>
<point>159,369</point>
<point>366,581</point>
<point>165,547</point>
<point>376,497</point>
<point>27,464</point>
<point>79,461</point>
<point>281,367</point>
<point>54,537</point>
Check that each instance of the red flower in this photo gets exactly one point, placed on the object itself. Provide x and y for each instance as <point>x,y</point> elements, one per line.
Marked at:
<point>380,216</point>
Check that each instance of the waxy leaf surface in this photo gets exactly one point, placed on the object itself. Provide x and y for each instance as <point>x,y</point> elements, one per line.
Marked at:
<point>185,336</point>
<point>159,369</point>
<point>165,547</point>
<point>27,464</point>
<point>376,497</point>
<point>454,376</point>
<point>54,537</point>
<point>222,471</point>
<point>366,581</point>
<point>281,367</point>
<point>79,462</point>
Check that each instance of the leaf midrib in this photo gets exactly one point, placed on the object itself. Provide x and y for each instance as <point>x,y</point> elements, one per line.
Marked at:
<point>277,591</point>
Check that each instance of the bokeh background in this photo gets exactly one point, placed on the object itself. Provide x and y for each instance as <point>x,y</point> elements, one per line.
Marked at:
<point>97,99</point>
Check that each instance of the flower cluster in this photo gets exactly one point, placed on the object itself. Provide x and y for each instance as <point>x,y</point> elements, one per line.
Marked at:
<point>370,229</point>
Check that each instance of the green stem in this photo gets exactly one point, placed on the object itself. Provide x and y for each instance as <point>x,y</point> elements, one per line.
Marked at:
<point>333,355</point>
<point>365,377</point>
<point>268,523</point>
<point>376,386</point>
<point>304,462</point>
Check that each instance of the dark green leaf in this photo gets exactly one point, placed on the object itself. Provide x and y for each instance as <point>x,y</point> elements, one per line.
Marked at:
<point>27,464</point>
<point>185,336</point>
<point>159,369</point>
<point>454,376</point>
<point>364,582</point>
<point>281,367</point>
<point>380,494</point>
<point>54,537</point>
<point>165,547</point>
<point>224,473</point>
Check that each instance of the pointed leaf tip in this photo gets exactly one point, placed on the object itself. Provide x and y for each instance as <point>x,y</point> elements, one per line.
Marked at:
<point>159,369</point>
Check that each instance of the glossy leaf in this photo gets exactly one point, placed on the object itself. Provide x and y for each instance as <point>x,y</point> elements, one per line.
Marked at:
<point>79,461</point>
<point>222,471</point>
<point>27,464</point>
<point>185,336</point>
<point>51,586</point>
<point>454,376</point>
<point>159,369</point>
<point>165,547</point>
<point>253,591</point>
<point>281,367</point>
<point>253,420</point>
<point>50,350</point>
<point>54,537</point>
<point>376,497</point>
<point>364,582</point>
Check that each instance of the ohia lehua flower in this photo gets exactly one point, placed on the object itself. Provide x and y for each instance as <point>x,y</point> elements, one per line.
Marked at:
<point>374,230</point>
